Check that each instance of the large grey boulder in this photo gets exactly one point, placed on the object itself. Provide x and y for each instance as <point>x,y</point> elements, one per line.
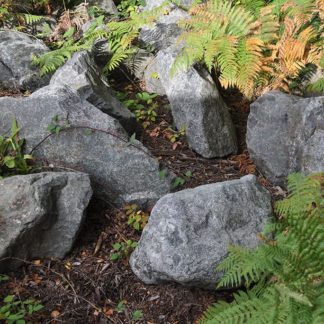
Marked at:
<point>16,69</point>
<point>195,101</point>
<point>95,143</point>
<point>197,106</point>
<point>189,231</point>
<point>41,214</point>
<point>83,75</point>
<point>285,134</point>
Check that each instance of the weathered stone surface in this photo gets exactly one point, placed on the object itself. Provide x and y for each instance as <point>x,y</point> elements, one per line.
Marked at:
<point>150,4</point>
<point>120,172</point>
<point>83,75</point>
<point>101,52</point>
<point>41,214</point>
<point>16,69</point>
<point>198,107</point>
<point>107,5</point>
<point>165,31</point>
<point>285,134</point>
<point>152,79</point>
<point>189,231</point>
<point>137,63</point>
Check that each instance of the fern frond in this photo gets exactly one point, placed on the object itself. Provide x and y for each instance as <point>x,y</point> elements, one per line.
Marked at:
<point>247,307</point>
<point>317,86</point>
<point>252,45</point>
<point>244,266</point>
<point>32,19</point>
<point>183,61</point>
<point>50,61</point>
<point>117,58</point>
<point>289,269</point>
<point>121,35</point>
<point>254,6</point>
<point>249,56</point>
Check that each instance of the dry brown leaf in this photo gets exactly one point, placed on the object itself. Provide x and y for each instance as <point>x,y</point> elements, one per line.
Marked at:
<point>55,314</point>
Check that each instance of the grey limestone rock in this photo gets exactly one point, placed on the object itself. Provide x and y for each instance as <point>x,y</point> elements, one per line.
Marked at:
<point>16,69</point>
<point>41,214</point>
<point>107,5</point>
<point>189,231</point>
<point>83,75</point>
<point>197,106</point>
<point>165,31</point>
<point>285,134</point>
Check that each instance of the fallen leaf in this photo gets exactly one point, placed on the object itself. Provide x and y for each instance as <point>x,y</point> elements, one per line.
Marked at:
<point>109,311</point>
<point>37,279</point>
<point>98,244</point>
<point>155,132</point>
<point>68,265</point>
<point>264,181</point>
<point>175,145</point>
<point>55,313</point>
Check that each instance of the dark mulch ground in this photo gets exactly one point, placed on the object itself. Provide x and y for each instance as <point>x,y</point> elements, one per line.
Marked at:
<point>12,93</point>
<point>86,286</point>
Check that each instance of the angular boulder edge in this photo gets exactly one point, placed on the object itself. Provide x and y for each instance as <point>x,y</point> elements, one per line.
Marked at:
<point>189,231</point>
<point>41,215</point>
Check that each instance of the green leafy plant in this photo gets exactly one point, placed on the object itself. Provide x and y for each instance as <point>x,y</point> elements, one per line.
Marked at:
<point>284,276</point>
<point>146,97</point>
<point>132,140</point>
<point>143,106</point>
<point>120,36</point>
<point>137,315</point>
<point>3,278</point>
<point>122,250</point>
<point>136,218</point>
<point>163,173</point>
<point>127,6</point>
<point>12,159</point>
<point>176,135</point>
<point>57,125</point>
<point>15,311</point>
<point>178,181</point>
<point>120,308</point>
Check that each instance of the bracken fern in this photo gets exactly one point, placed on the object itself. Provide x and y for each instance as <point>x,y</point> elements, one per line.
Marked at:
<point>286,271</point>
<point>120,36</point>
<point>253,45</point>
